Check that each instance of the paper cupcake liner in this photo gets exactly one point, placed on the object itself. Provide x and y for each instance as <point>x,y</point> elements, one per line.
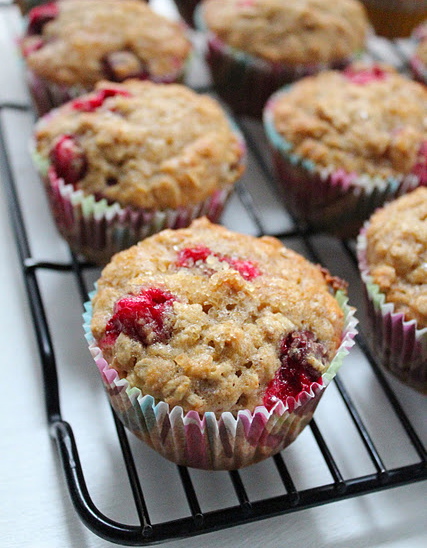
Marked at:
<point>327,199</point>
<point>400,345</point>
<point>210,442</point>
<point>245,82</point>
<point>98,229</point>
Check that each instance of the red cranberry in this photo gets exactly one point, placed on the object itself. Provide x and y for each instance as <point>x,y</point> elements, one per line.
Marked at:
<point>365,75</point>
<point>40,15</point>
<point>119,65</point>
<point>189,256</point>
<point>144,317</point>
<point>31,44</point>
<point>420,167</point>
<point>247,269</point>
<point>295,373</point>
<point>68,159</point>
<point>91,102</point>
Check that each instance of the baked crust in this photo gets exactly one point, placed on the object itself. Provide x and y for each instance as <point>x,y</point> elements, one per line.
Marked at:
<point>163,146</point>
<point>85,32</point>
<point>225,329</point>
<point>376,128</point>
<point>292,32</point>
<point>397,254</point>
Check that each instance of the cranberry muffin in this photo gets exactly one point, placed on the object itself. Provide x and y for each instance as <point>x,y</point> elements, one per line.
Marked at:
<point>392,252</point>
<point>217,327</point>
<point>344,142</point>
<point>70,45</point>
<point>256,46</point>
<point>129,159</point>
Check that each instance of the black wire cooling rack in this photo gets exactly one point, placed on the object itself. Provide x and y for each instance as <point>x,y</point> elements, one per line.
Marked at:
<point>337,485</point>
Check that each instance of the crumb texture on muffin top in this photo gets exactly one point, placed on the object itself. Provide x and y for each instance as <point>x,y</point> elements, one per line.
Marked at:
<point>397,254</point>
<point>83,41</point>
<point>367,119</point>
<point>142,144</point>
<point>209,319</point>
<point>292,32</point>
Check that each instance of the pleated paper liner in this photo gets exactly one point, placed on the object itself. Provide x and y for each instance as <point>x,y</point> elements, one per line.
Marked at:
<point>211,442</point>
<point>399,345</point>
<point>245,81</point>
<point>327,199</point>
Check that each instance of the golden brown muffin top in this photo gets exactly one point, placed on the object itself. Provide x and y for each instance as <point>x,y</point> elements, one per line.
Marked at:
<point>83,41</point>
<point>291,32</point>
<point>226,308</point>
<point>142,144</point>
<point>366,119</point>
<point>397,253</point>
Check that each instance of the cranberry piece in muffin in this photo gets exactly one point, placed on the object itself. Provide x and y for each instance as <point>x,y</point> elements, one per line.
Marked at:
<point>298,350</point>
<point>96,100</point>
<point>365,74</point>
<point>143,317</point>
<point>189,257</point>
<point>40,15</point>
<point>68,159</point>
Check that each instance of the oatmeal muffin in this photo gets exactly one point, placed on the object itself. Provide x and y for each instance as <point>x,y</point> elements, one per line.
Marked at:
<point>392,251</point>
<point>418,60</point>
<point>256,46</point>
<point>129,159</point>
<point>345,142</point>
<point>70,45</point>
<point>217,328</point>
<point>395,18</point>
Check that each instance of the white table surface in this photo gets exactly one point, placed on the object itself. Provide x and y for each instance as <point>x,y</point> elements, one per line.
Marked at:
<point>35,509</point>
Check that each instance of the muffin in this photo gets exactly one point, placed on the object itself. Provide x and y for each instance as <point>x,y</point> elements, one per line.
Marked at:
<point>71,45</point>
<point>345,142</point>
<point>395,18</point>
<point>215,347</point>
<point>130,159</point>
<point>256,46</point>
<point>186,10</point>
<point>418,59</point>
<point>392,255</point>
